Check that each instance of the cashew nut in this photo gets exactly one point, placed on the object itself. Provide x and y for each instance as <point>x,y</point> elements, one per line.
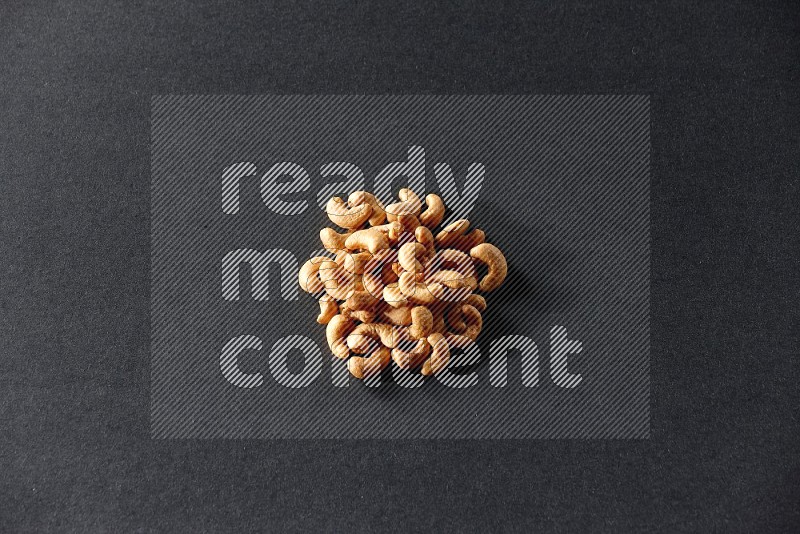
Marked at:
<point>369,239</point>
<point>332,240</point>
<point>397,316</point>
<point>416,286</point>
<point>433,215</point>
<point>490,256</point>
<point>372,365</point>
<point>327,309</point>
<point>346,216</point>
<point>407,257</point>
<point>339,284</point>
<point>336,332</point>
<point>414,356</point>
<point>308,276</point>
<point>362,197</point>
<point>421,322</point>
<point>451,232</point>
<point>440,355</point>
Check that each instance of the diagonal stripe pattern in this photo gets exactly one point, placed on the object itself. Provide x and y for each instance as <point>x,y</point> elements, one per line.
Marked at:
<point>559,183</point>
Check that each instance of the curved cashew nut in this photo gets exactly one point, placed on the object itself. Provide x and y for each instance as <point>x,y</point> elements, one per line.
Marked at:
<point>347,216</point>
<point>393,296</point>
<point>409,222</point>
<point>332,240</point>
<point>360,300</point>
<point>440,355</point>
<point>473,321</point>
<point>372,365</point>
<point>362,197</point>
<point>453,280</point>
<point>365,316</point>
<point>476,301</point>
<point>361,337</point>
<point>327,309</point>
<point>469,240</point>
<point>335,334</point>
<point>339,284</point>
<point>433,215</point>
<point>451,232</point>
<point>491,256</point>
<point>407,257</point>
<point>353,262</point>
<point>308,275</point>
<point>409,204</point>
<point>413,357</point>
<point>425,238</point>
<point>397,316</point>
<point>369,239</point>
<point>421,322</point>
<point>452,259</point>
<point>419,292</point>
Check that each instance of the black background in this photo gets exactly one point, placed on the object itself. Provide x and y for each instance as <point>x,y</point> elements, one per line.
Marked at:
<point>76,80</point>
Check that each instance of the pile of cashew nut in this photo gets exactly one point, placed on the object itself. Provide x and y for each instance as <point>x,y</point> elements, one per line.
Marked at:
<point>395,290</point>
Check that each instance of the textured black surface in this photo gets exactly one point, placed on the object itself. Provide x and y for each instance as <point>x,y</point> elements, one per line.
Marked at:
<point>75,86</point>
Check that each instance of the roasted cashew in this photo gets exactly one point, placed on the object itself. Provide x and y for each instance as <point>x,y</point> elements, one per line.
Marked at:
<point>409,222</point>
<point>410,358</point>
<point>394,297</point>
<point>353,262</point>
<point>370,239</point>
<point>339,284</point>
<point>365,316</point>
<point>451,232</point>
<point>372,365</point>
<point>358,340</point>
<point>468,240</point>
<point>434,214</point>
<point>362,197</point>
<point>409,204</point>
<point>408,254</point>
<point>308,276</point>
<point>419,292</point>
<point>421,322</point>
<point>332,240</point>
<point>399,274</point>
<point>360,300</point>
<point>347,216</point>
<point>476,301</point>
<point>490,256</point>
<point>336,332</point>
<point>425,238</point>
<point>397,316</point>
<point>327,309</point>
<point>440,355</point>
